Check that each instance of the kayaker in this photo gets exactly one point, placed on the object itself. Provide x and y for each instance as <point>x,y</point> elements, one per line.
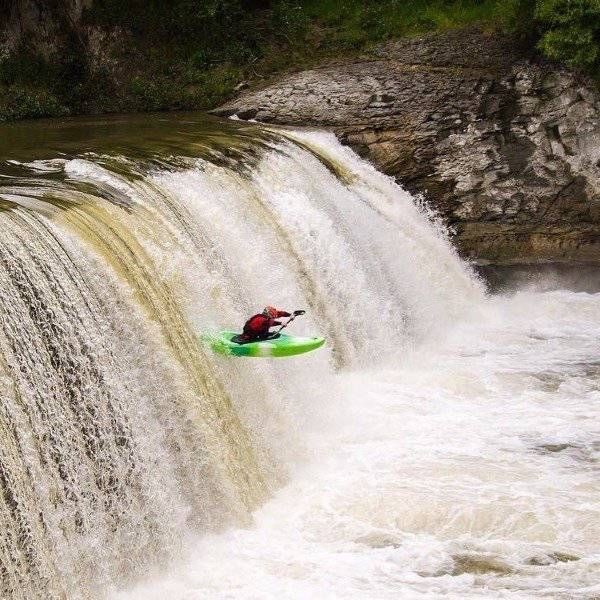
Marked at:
<point>257,327</point>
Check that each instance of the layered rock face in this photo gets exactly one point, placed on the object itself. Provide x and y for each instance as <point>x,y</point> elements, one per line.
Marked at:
<point>41,24</point>
<point>505,147</point>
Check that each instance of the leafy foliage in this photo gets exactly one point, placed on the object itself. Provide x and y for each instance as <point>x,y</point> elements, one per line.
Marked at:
<point>571,31</point>
<point>27,102</point>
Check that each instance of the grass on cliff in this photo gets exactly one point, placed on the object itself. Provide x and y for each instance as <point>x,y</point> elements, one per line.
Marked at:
<point>567,31</point>
<point>191,54</point>
<point>356,24</point>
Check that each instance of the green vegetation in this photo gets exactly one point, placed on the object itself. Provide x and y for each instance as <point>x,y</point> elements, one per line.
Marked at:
<point>356,24</point>
<point>191,54</point>
<point>571,31</point>
<point>567,31</point>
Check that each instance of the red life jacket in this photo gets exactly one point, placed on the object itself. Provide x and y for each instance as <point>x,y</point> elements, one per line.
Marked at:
<point>258,325</point>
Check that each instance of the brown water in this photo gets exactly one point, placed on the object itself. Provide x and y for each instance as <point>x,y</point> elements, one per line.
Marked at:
<point>146,135</point>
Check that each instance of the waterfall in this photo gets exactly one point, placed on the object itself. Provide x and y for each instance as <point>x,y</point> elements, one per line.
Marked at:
<point>120,432</point>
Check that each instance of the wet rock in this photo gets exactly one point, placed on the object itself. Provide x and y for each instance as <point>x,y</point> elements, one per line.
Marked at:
<point>554,447</point>
<point>503,145</point>
<point>552,558</point>
<point>380,540</point>
<point>478,564</point>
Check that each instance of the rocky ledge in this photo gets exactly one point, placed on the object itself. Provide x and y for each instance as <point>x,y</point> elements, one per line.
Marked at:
<point>503,145</point>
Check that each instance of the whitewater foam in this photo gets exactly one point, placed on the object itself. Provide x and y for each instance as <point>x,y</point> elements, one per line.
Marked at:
<point>469,470</point>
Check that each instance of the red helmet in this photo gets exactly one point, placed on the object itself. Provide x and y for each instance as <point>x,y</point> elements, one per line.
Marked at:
<point>270,311</point>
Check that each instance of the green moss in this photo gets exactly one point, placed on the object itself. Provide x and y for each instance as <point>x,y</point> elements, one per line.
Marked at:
<point>196,89</point>
<point>215,85</point>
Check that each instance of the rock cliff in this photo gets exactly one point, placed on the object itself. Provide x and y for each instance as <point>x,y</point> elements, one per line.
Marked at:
<point>503,145</point>
<point>42,24</point>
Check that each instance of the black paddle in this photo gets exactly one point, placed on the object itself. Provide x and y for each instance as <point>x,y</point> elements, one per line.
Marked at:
<point>295,314</point>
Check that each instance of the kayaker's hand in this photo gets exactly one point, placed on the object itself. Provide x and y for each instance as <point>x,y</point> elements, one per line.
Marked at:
<point>297,313</point>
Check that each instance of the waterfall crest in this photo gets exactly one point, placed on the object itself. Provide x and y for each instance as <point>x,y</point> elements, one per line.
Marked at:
<point>120,431</point>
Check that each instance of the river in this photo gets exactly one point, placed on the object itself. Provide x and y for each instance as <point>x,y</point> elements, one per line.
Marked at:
<point>445,443</point>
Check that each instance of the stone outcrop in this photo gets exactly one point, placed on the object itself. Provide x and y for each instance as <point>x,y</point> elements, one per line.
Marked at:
<point>504,146</point>
<point>40,24</point>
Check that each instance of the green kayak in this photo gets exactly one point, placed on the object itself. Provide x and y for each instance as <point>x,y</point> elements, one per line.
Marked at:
<point>284,345</point>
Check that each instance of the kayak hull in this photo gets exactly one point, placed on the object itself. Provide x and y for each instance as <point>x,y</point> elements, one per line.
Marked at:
<point>281,347</point>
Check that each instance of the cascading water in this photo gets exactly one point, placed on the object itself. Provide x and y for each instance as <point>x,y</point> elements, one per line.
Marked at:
<point>126,444</point>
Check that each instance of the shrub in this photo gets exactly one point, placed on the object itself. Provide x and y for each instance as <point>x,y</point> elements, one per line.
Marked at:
<point>571,31</point>
<point>154,94</point>
<point>22,102</point>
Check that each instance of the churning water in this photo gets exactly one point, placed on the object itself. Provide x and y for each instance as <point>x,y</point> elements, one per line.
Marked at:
<point>444,445</point>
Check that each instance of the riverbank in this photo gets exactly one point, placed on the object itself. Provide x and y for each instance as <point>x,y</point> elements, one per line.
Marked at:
<point>106,56</point>
<point>100,56</point>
